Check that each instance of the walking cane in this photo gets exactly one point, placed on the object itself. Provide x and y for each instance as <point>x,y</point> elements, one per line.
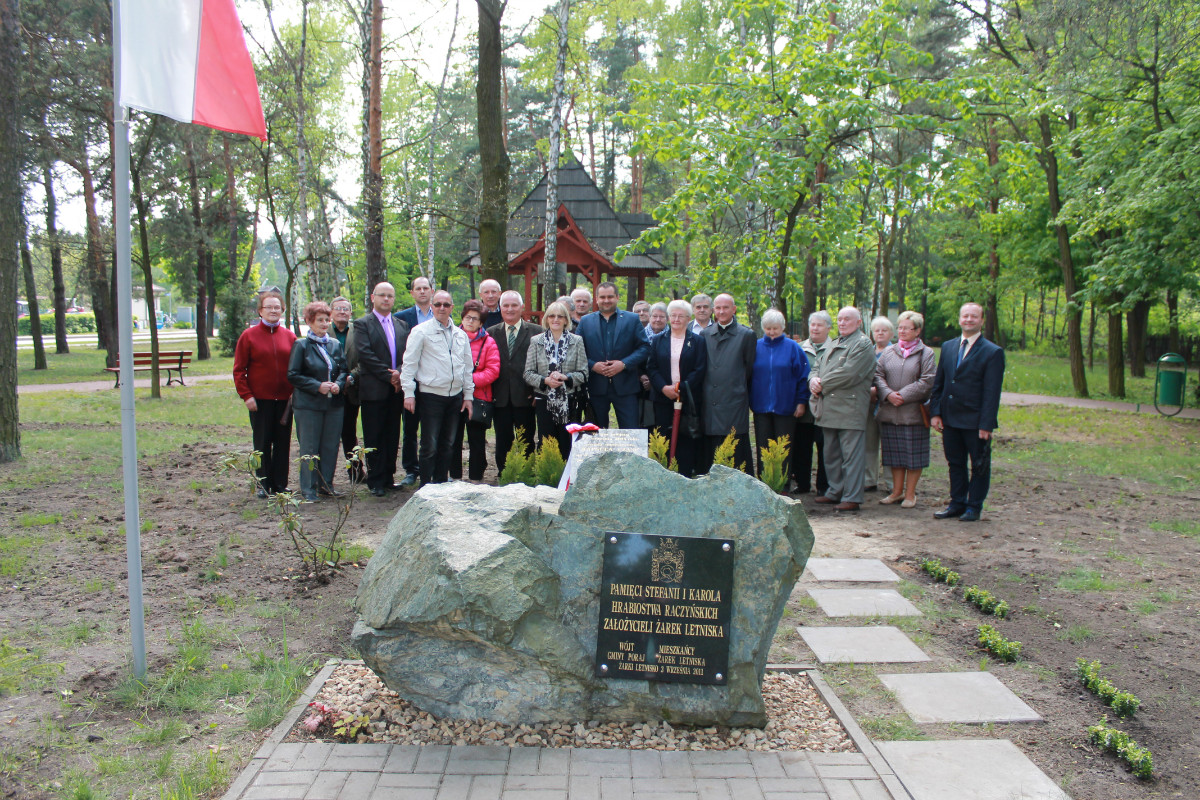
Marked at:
<point>675,423</point>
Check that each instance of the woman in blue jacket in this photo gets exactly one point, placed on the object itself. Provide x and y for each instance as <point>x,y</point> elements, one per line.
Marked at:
<point>778,386</point>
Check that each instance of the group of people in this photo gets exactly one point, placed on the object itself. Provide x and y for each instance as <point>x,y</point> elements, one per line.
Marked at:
<point>422,385</point>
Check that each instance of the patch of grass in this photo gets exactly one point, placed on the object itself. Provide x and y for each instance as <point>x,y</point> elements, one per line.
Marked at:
<point>1076,634</point>
<point>169,730</point>
<point>1035,374</point>
<point>76,785</point>
<point>1086,580</point>
<point>1166,596</point>
<point>16,551</point>
<point>198,778</point>
<point>807,603</point>
<point>250,513</point>
<point>37,520</point>
<point>93,585</point>
<point>350,554</point>
<point>911,591</point>
<point>1147,606</point>
<point>22,669</point>
<point>76,633</point>
<point>893,728</point>
<point>86,363</point>
<point>1187,527</point>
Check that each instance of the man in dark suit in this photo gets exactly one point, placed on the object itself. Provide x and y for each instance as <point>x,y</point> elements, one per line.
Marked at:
<point>964,404</point>
<point>379,340</point>
<point>512,396</point>
<point>617,348</point>
<point>420,311</point>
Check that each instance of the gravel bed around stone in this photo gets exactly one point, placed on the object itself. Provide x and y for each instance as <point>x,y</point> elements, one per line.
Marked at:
<point>797,719</point>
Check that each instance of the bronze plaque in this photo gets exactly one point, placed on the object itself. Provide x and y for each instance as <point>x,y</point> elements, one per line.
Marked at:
<point>665,605</point>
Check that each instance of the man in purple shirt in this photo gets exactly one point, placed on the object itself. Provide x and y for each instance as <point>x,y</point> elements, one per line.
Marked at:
<point>380,339</point>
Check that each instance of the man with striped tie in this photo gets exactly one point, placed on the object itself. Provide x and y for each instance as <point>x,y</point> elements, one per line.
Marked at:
<point>964,405</point>
<point>513,397</point>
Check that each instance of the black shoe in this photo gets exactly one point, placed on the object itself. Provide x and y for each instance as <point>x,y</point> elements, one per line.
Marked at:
<point>328,492</point>
<point>949,512</point>
<point>970,515</point>
<point>379,491</point>
<point>410,480</point>
<point>261,494</point>
<point>871,488</point>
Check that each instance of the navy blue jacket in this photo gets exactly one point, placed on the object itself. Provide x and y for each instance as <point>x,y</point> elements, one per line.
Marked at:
<point>629,345</point>
<point>967,395</point>
<point>408,316</point>
<point>693,363</point>
<point>780,380</point>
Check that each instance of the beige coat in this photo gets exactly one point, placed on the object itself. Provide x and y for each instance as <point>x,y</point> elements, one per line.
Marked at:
<point>912,377</point>
<point>847,370</point>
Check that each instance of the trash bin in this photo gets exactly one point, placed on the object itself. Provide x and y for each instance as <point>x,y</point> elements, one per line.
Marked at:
<point>1169,382</point>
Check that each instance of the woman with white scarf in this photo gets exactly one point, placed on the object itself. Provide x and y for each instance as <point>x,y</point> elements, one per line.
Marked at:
<point>556,367</point>
<point>317,370</point>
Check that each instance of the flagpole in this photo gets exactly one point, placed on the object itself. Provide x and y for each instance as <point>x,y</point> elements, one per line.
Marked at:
<point>129,463</point>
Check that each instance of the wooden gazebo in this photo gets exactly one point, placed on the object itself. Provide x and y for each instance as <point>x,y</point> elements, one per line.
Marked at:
<point>589,232</point>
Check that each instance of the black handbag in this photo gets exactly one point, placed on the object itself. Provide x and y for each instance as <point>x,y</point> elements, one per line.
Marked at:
<point>689,420</point>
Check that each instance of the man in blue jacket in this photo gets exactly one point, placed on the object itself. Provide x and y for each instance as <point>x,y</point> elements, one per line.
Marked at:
<point>617,348</point>
<point>964,405</point>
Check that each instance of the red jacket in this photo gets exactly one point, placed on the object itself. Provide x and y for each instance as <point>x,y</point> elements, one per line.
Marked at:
<point>488,368</point>
<point>260,362</point>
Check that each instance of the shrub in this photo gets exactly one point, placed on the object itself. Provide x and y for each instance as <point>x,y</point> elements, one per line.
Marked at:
<point>518,467</point>
<point>183,326</point>
<point>726,453</point>
<point>548,464</point>
<point>74,323</point>
<point>1140,762</point>
<point>773,456</point>
<point>659,449</point>
<point>939,573</point>
<point>237,307</point>
<point>1124,703</point>
<point>1004,649</point>
<point>987,602</point>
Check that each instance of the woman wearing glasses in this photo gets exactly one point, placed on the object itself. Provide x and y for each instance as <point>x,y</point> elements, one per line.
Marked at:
<point>317,370</point>
<point>260,366</point>
<point>556,368</point>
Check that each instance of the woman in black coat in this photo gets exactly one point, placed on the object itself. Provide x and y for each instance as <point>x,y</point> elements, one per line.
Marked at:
<point>317,370</point>
<point>677,363</point>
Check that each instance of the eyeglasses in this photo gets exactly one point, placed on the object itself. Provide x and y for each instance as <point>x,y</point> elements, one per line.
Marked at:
<point>472,319</point>
<point>272,308</point>
<point>442,305</point>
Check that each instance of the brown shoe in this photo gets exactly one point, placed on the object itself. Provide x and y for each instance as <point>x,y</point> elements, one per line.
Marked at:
<point>846,507</point>
<point>824,499</point>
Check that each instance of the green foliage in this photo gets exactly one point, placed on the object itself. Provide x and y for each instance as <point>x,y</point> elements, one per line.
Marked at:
<point>1119,743</point>
<point>518,468</point>
<point>1003,649</point>
<point>773,456</point>
<point>659,448</point>
<point>986,602</point>
<point>182,325</point>
<point>939,573</point>
<point>1187,527</point>
<point>548,464</point>
<point>20,669</point>
<point>726,453</point>
<point>1125,704</point>
<point>74,323</point>
<point>237,306</point>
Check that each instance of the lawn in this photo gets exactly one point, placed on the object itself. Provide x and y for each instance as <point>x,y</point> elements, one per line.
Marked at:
<point>1050,375</point>
<point>86,363</point>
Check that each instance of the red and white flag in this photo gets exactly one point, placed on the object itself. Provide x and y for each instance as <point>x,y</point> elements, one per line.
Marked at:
<point>187,59</point>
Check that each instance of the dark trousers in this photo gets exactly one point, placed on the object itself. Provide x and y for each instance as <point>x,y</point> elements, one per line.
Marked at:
<point>507,420</point>
<point>547,427</point>
<point>408,455</point>
<point>807,435</point>
<point>961,444</point>
<point>625,405</point>
<point>439,423</point>
<point>381,431</point>
<point>273,439</point>
<point>772,426</point>
<point>741,452</point>
<point>476,435</point>
<point>350,430</point>
<point>687,450</point>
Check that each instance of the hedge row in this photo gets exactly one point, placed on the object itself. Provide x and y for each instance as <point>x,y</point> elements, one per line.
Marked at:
<point>76,323</point>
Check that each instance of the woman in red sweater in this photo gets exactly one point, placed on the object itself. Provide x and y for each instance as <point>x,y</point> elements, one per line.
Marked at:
<point>260,366</point>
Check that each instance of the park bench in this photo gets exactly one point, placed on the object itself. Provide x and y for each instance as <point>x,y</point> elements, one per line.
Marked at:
<point>172,361</point>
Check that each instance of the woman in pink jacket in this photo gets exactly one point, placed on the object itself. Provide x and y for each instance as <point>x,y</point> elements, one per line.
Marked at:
<point>486,356</point>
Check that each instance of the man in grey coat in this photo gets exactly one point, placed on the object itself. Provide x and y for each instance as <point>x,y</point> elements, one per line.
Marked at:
<point>841,389</point>
<point>731,348</point>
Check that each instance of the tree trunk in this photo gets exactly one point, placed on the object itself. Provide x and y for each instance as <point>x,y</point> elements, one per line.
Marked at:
<point>193,180</point>
<point>1074,314</point>
<point>1172,321</point>
<point>493,157</point>
<point>56,271</point>
<point>11,145</point>
<point>35,320</point>
<point>232,211</point>
<point>550,273</point>
<point>1116,356</point>
<point>992,319</point>
<point>139,201</point>
<point>1139,317</point>
<point>373,186</point>
<point>785,254</point>
<point>97,267</point>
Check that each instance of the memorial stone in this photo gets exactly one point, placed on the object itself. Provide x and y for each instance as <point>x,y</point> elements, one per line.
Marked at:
<point>485,602</point>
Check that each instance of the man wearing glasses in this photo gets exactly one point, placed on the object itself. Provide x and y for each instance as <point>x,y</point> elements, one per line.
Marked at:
<point>437,385</point>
